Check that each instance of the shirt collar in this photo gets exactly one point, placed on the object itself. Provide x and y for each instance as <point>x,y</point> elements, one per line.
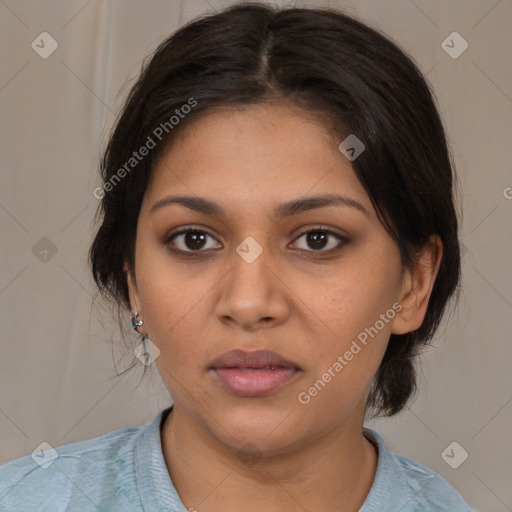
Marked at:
<point>154,484</point>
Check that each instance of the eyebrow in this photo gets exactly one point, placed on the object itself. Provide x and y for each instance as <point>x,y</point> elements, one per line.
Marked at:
<point>294,207</point>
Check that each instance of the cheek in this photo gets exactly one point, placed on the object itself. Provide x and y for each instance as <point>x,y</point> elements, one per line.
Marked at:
<point>168,290</point>
<point>173,303</point>
<point>347,302</point>
<point>352,321</point>
<point>175,321</point>
<point>343,362</point>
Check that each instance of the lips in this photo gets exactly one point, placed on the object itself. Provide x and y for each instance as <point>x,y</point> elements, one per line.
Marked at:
<point>253,374</point>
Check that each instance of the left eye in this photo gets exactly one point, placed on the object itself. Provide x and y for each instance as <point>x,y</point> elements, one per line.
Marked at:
<point>318,240</point>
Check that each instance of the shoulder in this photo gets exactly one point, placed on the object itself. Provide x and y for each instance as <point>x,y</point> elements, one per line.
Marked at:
<point>428,488</point>
<point>75,476</point>
<point>409,485</point>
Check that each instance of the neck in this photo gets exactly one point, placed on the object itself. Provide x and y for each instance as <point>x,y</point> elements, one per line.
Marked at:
<point>333,473</point>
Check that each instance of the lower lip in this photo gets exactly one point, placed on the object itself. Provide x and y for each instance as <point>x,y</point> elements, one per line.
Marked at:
<point>252,383</point>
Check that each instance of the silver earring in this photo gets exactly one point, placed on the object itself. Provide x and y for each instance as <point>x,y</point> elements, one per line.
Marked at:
<point>136,323</point>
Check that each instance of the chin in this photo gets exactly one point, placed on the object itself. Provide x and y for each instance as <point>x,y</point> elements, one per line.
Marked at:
<point>258,427</point>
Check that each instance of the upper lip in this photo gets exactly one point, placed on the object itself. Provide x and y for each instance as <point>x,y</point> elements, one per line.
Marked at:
<point>255,359</point>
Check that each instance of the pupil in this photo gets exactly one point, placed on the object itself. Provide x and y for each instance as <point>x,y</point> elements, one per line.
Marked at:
<point>317,238</point>
<point>196,240</point>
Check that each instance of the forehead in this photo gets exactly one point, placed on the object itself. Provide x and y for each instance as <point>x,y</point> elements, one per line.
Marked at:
<point>254,156</point>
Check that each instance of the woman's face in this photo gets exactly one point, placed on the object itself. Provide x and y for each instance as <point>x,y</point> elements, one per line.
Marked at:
<point>250,279</point>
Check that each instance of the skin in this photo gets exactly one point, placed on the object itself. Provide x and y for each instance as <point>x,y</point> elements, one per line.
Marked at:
<point>225,452</point>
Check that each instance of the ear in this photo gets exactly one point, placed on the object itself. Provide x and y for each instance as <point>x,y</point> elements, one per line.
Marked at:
<point>133,291</point>
<point>417,287</point>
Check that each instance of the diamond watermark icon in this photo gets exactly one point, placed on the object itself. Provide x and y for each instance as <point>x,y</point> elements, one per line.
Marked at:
<point>146,351</point>
<point>249,455</point>
<point>463,249</point>
<point>351,147</point>
<point>44,45</point>
<point>454,45</point>
<point>249,249</point>
<point>45,455</point>
<point>454,455</point>
<point>44,250</point>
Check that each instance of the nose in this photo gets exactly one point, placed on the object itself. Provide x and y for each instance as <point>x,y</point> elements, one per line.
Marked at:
<point>253,295</point>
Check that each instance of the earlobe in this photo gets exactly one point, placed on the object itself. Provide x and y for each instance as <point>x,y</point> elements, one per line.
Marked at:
<point>417,285</point>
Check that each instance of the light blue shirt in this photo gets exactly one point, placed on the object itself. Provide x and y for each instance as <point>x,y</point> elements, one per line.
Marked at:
<point>125,471</point>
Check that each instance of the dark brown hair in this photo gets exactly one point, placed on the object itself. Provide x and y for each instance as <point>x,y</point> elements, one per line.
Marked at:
<point>321,60</point>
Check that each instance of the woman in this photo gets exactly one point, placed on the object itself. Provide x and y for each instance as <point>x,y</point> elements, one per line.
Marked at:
<point>277,214</point>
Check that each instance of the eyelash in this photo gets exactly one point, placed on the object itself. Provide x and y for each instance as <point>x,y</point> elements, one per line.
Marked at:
<point>342,239</point>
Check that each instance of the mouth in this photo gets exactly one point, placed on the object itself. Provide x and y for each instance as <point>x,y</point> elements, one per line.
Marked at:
<point>253,374</point>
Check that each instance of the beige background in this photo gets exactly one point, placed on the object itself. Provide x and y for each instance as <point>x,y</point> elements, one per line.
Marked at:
<point>57,376</point>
